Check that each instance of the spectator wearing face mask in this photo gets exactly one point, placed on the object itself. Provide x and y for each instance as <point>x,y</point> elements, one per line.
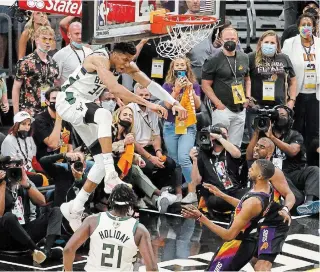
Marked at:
<point>71,56</point>
<point>35,74</point>
<point>214,165</point>
<point>304,51</point>
<point>19,144</point>
<point>51,134</point>
<point>289,155</point>
<point>270,70</point>
<point>159,167</point>
<point>17,232</point>
<point>27,41</point>
<point>226,82</point>
<point>128,163</point>
<point>311,8</point>
<point>109,102</point>
<point>179,136</point>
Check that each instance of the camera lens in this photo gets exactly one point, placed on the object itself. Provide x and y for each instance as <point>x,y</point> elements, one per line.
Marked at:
<point>78,166</point>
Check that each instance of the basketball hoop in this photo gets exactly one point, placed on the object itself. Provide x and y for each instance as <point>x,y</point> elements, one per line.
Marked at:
<point>185,32</point>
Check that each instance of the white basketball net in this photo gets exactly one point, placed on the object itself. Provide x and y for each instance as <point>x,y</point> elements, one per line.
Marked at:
<point>182,38</point>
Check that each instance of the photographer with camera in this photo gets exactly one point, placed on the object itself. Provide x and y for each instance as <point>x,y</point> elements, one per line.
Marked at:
<point>213,164</point>
<point>17,232</point>
<point>289,155</point>
<point>68,180</point>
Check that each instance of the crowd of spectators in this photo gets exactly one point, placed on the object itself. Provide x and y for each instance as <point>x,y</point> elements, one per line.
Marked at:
<point>167,159</point>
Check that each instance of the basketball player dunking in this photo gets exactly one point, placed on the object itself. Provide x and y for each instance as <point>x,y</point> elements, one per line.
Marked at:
<point>75,104</point>
<point>114,237</point>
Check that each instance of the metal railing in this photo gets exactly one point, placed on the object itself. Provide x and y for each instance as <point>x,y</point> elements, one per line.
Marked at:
<point>251,22</point>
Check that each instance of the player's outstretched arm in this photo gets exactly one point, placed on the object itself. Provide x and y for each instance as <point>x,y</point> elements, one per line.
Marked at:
<point>101,65</point>
<point>214,190</point>
<point>143,241</point>
<point>76,240</point>
<point>250,208</point>
<point>155,89</point>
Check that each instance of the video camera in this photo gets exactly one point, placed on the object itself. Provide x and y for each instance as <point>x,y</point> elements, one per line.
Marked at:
<point>12,168</point>
<point>264,118</point>
<point>203,137</point>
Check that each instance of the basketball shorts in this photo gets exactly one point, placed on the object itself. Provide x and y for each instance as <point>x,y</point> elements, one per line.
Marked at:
<point>233,255</point>
<point>77,111</point>
<point>271,240</point>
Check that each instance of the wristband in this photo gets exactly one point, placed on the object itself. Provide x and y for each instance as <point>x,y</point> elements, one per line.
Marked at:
<point>198,219</point>
<point>286,209</point>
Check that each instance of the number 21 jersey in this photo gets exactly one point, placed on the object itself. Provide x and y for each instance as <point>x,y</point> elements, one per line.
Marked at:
<point>112,245</point>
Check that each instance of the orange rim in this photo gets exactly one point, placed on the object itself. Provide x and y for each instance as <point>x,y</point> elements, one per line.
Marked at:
<point>189,19</point>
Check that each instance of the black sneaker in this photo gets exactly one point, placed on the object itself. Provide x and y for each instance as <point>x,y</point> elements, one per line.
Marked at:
<point>56,253</point>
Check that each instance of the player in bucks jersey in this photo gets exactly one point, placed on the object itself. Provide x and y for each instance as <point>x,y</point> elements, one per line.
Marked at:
<point>114,237</point>
<point>75,104</point>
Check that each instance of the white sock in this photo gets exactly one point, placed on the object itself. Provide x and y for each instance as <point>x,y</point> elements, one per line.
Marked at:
<point>80,200</point>
<point>108,162</point>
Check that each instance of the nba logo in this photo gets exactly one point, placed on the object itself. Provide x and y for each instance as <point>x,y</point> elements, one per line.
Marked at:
<point>102,16</point>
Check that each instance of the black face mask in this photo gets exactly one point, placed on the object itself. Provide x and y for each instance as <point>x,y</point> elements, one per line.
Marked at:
<point>23,134</point>
<point>230,46</point>
<point>52,106</point>
<point>125,124</point>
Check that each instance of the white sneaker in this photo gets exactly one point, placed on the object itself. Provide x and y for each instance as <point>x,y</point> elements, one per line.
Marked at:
<point>111,180</point>
<point>190,198</point>
<point>164,201</point>
<point>74,218</point>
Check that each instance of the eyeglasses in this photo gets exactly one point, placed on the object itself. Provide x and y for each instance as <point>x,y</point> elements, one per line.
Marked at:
<point>44,40</point>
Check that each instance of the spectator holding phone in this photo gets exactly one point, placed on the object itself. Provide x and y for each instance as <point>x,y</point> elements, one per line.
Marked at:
<point>179,135</point>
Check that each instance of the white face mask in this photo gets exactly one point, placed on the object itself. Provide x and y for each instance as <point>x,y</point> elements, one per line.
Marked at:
<point>109,105</point>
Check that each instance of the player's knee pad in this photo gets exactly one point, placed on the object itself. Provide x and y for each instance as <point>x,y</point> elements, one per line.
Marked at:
<point>103,118</point>
<point>97,171</point>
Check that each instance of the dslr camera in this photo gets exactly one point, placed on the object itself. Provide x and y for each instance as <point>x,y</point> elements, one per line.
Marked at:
<point>77,165</point>
<point>264,118</point>
<point>203,137</point>
<point>12,168</point>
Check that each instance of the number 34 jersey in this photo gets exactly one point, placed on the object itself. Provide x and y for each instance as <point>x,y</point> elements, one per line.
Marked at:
<point>112,245</point>
<point>86,84</point>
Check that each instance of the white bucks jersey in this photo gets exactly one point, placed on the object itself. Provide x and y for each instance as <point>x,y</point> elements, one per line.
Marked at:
<point>86,84</point>
<point>112,245</point>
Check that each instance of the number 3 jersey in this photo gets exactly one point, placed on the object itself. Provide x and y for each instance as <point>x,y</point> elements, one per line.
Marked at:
<point>86,84</point>
<point>112,244</point>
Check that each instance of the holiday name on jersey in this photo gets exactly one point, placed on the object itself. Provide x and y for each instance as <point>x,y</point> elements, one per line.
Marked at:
<point>114,234</point>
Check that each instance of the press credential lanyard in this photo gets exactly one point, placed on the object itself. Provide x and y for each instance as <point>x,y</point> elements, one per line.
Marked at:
<point>235,67</point>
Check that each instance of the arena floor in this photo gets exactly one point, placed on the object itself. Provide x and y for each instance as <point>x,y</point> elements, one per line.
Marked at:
<point>183,245</point>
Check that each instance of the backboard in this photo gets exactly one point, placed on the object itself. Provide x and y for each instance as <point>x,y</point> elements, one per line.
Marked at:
<point>111,21</point>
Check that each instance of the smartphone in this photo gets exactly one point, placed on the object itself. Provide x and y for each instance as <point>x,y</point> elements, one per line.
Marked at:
<point>180,74</point>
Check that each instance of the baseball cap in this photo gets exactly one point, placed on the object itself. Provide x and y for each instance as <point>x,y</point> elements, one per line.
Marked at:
<point>21,116</point>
